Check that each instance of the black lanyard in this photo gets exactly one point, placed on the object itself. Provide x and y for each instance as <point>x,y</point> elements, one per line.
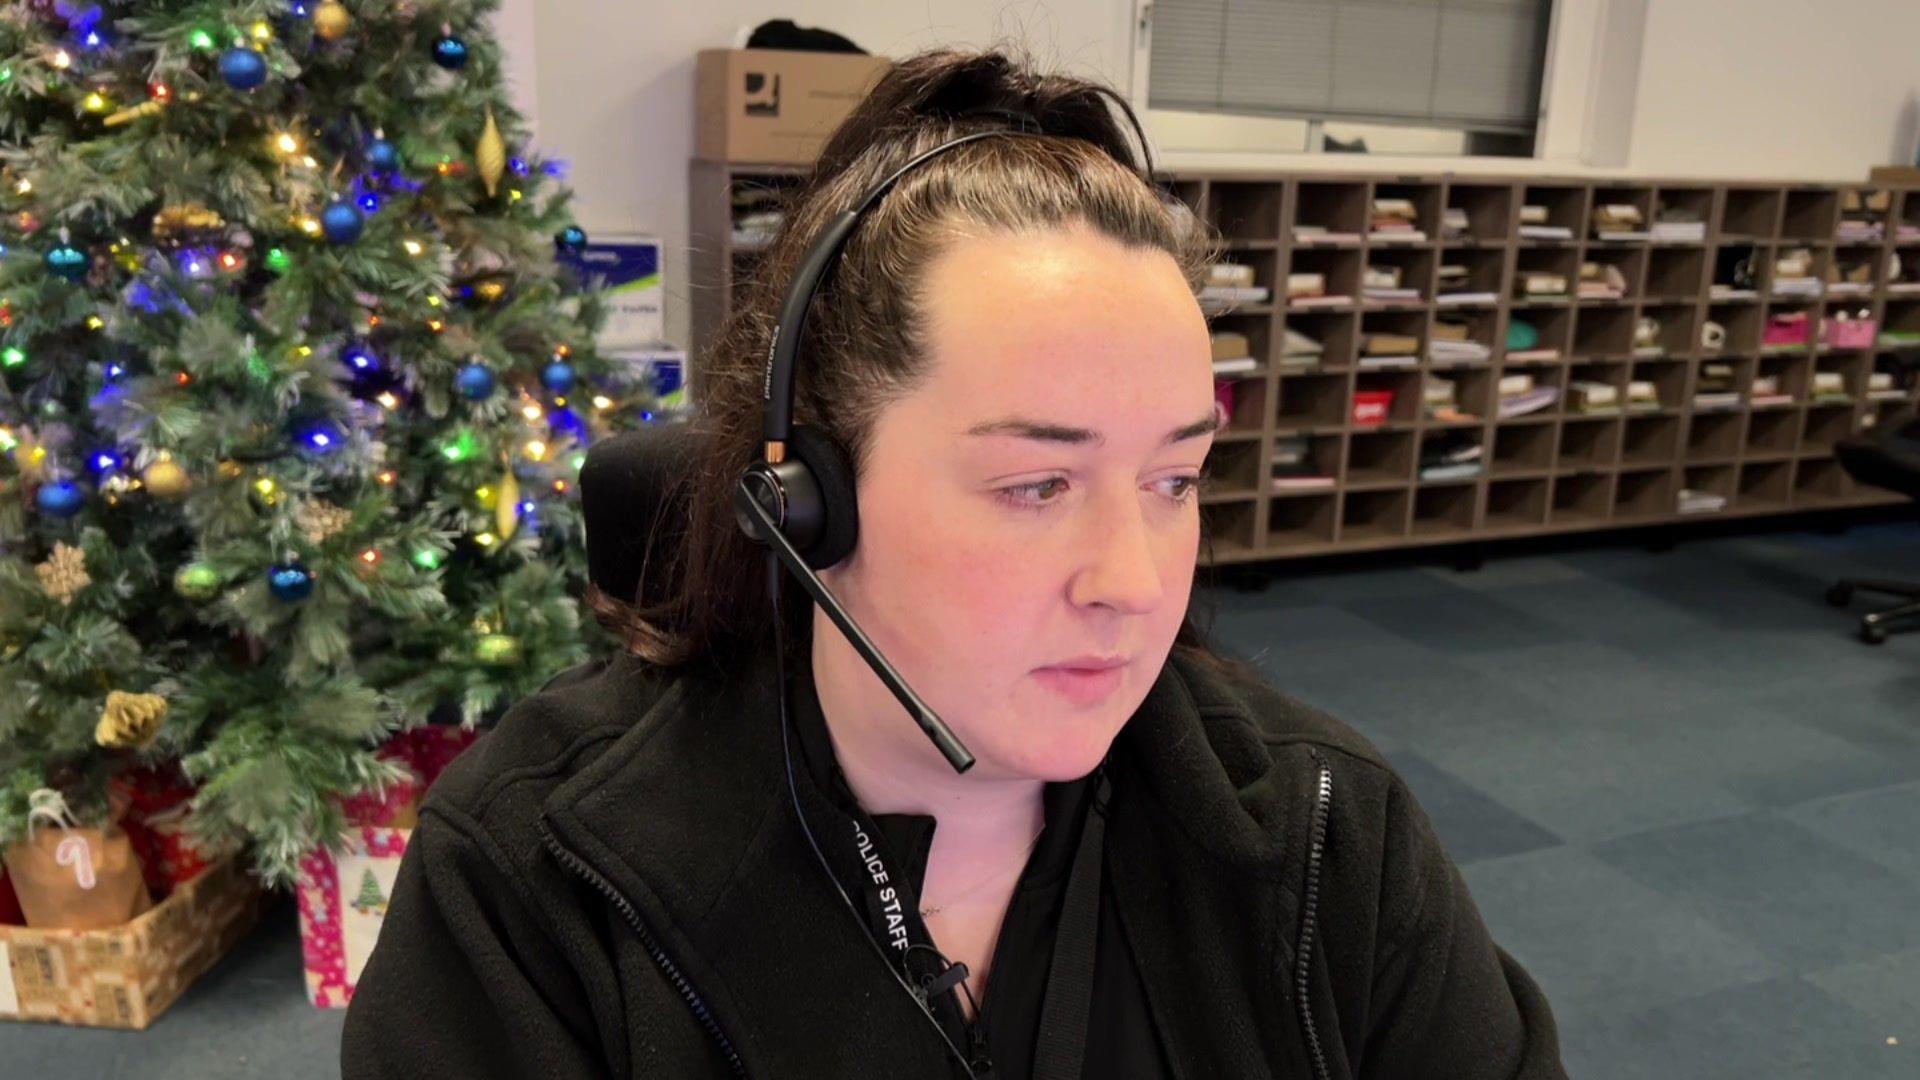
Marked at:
<point>893,919</point>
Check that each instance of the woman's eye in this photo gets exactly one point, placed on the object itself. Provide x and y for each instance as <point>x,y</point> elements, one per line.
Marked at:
<point>1038,493</point>
<point>1185,487</point>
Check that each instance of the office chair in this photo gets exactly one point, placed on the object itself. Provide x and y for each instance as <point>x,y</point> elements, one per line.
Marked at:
<point>633,492</point>
<point>1888,457</point>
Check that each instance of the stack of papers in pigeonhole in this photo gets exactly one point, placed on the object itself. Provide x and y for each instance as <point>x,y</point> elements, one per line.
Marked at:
<point>1519,395</point>
<point>1716,389</point>
<point>1231,354</point>
<point>1533,225</point>
<point>1678,226</point>
<point>1395,220</point>
<point>1381,350</point>
<point>1293,467</point>
<point>1450,457</point>
<point>1384,283</point>
<point>1299,352</point>
<point>1450,343</point>
<point>1618,221</point>
<point>1593,398</point>
<point>1701,502</point>
<point>1232,283</point>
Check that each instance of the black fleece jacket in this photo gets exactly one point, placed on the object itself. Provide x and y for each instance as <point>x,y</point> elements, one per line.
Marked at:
<point>612,883</point>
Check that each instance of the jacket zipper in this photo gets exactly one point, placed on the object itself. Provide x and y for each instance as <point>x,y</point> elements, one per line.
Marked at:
<point>1303,961</point>
<point>593,877</point>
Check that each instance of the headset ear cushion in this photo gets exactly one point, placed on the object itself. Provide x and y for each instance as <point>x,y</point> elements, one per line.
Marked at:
<point>840,514</point>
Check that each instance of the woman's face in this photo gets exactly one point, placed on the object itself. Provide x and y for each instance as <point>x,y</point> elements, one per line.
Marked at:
<point>1028,513</point>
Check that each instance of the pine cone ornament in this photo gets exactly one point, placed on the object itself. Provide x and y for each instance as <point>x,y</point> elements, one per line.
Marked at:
<point>320,520</point>
<point>187,223</point>
<point>64,573</point>
<point>130,721</point>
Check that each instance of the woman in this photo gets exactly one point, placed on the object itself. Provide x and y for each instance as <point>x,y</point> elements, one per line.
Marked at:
<point>646,871</point>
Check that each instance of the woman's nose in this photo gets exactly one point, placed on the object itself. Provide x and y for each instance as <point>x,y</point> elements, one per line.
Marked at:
<point>1121,571</point>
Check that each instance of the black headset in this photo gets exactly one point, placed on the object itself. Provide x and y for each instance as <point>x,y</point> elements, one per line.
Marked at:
<point>799,500</point>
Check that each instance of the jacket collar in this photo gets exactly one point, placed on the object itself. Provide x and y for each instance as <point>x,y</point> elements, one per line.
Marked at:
<point>1062,801</point>
<point>688,815</point>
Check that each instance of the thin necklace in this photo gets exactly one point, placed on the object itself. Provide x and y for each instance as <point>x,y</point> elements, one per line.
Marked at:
<point>928,912</point>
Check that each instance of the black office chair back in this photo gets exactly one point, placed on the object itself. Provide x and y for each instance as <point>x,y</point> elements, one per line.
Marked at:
<point>1887,456</point>
<point>633,496</point>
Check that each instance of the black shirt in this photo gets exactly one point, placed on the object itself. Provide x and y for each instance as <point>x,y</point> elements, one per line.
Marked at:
<point>1121,1044</point>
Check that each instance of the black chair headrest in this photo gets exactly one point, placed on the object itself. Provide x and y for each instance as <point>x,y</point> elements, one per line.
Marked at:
<point>633,496</point>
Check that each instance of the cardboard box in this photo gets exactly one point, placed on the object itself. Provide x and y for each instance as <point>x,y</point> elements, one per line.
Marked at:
<point>772,106</point>
<point>1901,175</point>
<point>126,976</point>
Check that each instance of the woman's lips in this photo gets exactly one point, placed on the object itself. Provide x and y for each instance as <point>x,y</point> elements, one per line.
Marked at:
<point>1082,686</point>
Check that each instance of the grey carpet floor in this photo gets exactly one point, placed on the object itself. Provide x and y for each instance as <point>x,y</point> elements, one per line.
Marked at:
<point>1682,795</point>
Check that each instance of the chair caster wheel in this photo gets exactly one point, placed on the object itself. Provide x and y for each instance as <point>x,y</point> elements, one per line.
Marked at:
<point>1873,633</point>
<point>1840,595</point>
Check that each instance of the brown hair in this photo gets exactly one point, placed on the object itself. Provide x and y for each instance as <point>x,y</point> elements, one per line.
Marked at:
<point>864,345</point>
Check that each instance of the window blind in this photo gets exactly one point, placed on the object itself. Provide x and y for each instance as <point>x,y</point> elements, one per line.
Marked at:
<point>1473,64</point>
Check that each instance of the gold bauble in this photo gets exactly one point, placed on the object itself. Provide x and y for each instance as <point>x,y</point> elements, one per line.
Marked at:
<point>506,510</point>
<point>166,479</point>
<point>491,155</point>
<point>330,20</point>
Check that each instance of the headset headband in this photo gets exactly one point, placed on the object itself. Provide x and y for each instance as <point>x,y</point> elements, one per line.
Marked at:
<point>777,390</point>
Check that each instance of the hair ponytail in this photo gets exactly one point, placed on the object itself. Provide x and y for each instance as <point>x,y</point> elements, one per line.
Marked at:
<point>954,91</point>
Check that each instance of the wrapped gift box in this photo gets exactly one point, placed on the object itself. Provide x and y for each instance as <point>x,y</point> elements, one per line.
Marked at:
<point>125,976</point>
<point>342,894</point>
<point>158,802</point>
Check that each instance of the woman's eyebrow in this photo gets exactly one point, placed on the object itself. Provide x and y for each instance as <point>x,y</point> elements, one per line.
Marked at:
<point>1023,428</point>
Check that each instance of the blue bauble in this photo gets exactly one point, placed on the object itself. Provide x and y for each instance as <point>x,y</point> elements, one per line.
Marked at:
<point>342,222</point>
<point>243,68</point>
<point>383,156</point>
<point>61,499</point>
<point>475,382</point>
<point>290,584</point>
<point>450,52</point>
<point>558,377</point>
<point>572,239</point>
<point>68,263</point>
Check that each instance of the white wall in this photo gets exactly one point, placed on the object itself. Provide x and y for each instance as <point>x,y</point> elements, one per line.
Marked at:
<point>1811,89</point>
<point>615,85</point>
<point>1801,89</point>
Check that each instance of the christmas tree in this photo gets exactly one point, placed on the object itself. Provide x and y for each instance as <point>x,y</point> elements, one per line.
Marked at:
<point>293,395</point>
<point>370,898</point>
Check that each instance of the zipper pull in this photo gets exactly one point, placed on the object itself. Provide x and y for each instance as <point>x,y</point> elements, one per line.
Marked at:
<point>982,1065</point>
